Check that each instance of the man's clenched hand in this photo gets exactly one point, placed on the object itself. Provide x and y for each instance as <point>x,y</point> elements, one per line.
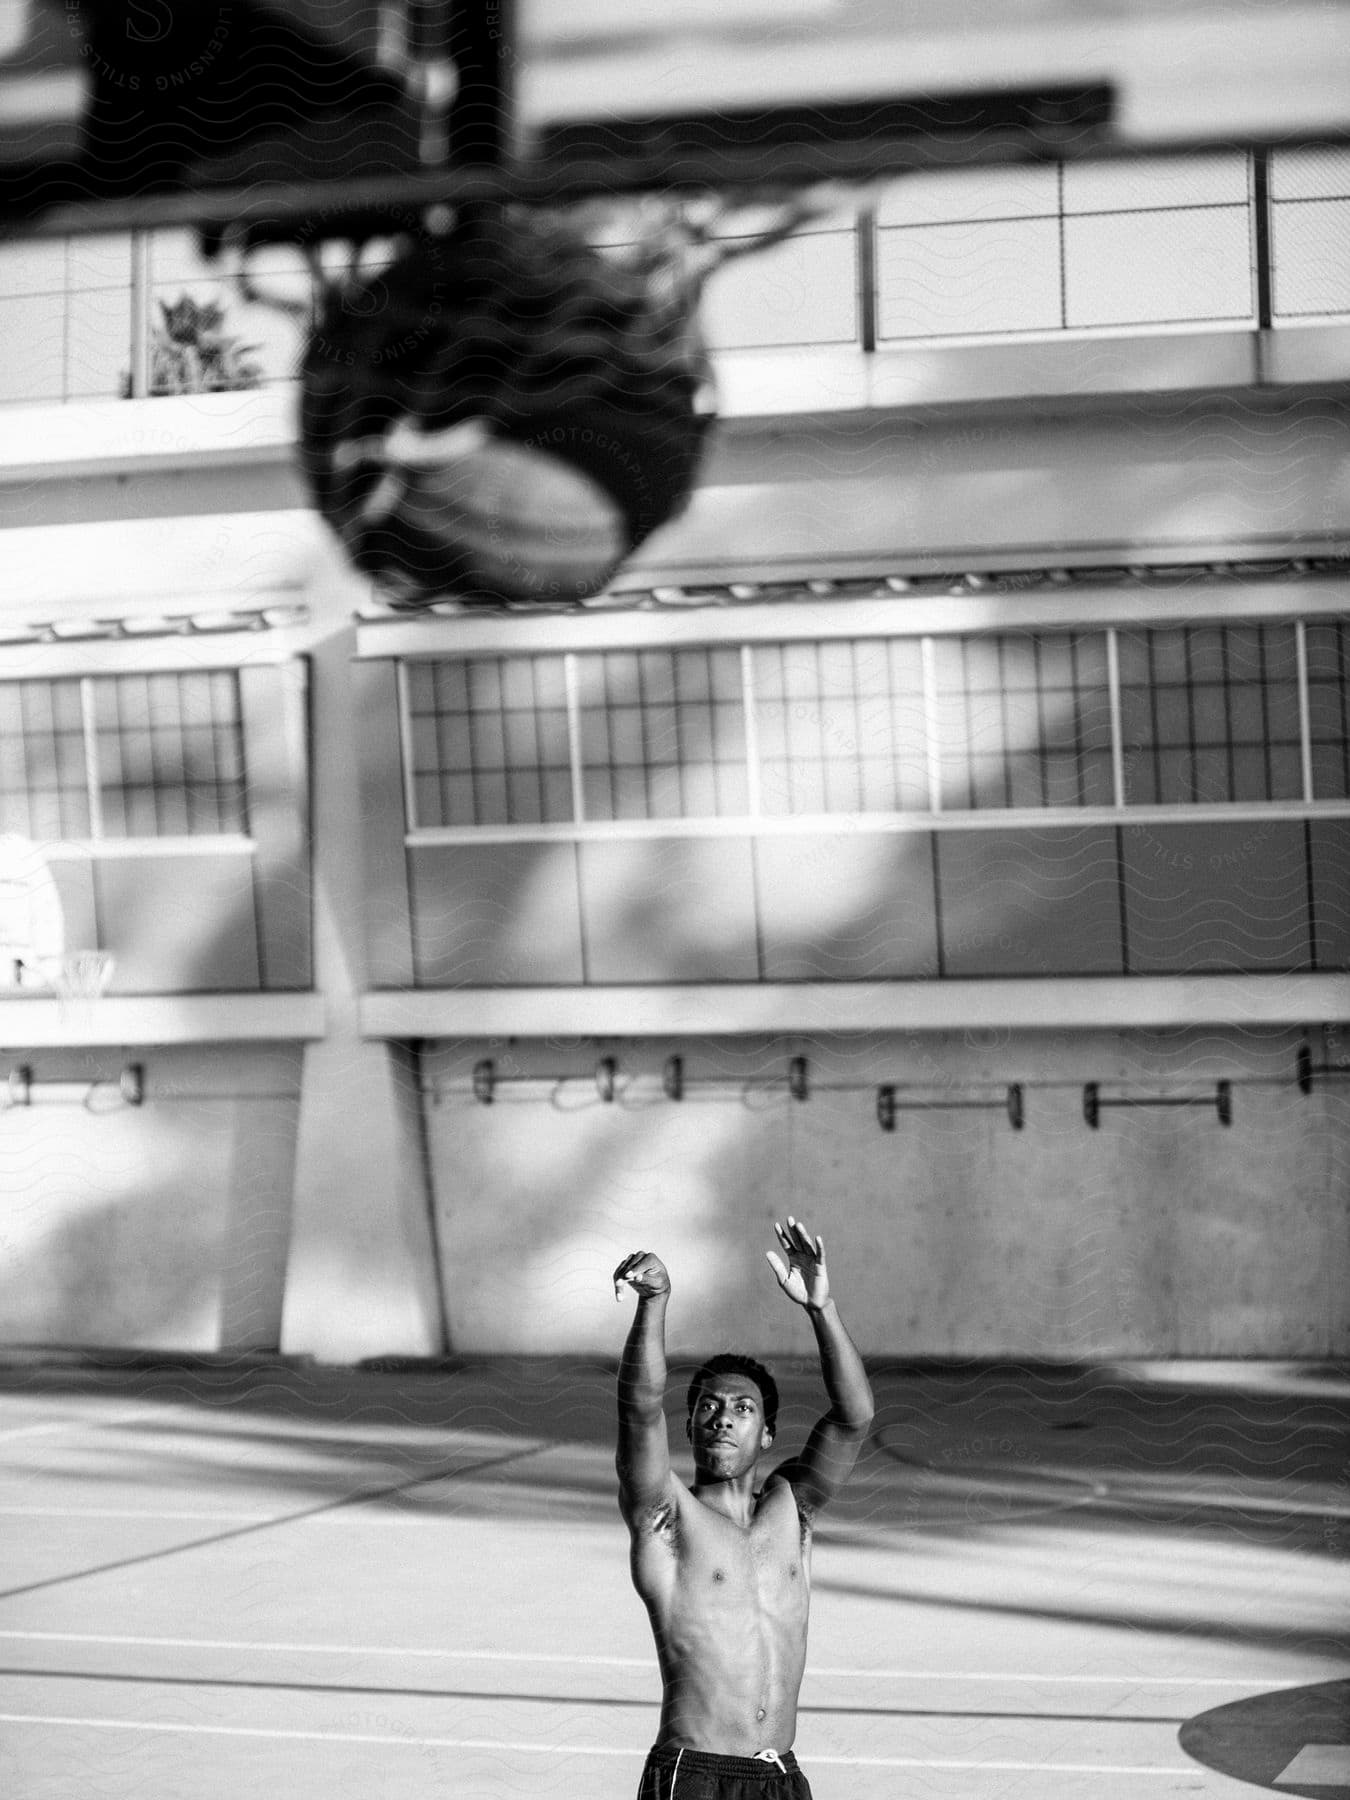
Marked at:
<point>644,1272</point>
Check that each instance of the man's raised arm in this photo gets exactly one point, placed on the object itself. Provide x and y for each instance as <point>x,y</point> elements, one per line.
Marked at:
<point>826,1462</point>
<point>643,1456</point>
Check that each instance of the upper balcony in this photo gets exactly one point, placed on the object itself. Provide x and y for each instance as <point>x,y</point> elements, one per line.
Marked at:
<point>1221,270</point>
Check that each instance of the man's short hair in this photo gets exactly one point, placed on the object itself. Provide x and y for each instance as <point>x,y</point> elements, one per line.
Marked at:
<point>731,1362</point>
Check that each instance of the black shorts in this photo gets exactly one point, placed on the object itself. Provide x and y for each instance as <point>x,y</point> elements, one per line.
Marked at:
<point>674,1774</point>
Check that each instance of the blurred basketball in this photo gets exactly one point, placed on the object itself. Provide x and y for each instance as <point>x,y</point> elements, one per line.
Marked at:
<point>502,414</point>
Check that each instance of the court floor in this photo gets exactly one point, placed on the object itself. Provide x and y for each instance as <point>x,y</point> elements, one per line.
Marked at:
<point>249,1578</point>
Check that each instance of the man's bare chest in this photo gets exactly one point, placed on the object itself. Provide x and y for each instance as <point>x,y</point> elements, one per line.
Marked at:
<point>765,1561</point>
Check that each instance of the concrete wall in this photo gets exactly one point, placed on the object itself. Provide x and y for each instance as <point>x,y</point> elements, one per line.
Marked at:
<point>159,1226</point>
<point>1159,1233</point>
<point>172,1225</point>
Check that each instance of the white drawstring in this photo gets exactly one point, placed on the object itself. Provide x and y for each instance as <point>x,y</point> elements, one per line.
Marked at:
<point>773,1757</point>
<point>675,1772</point>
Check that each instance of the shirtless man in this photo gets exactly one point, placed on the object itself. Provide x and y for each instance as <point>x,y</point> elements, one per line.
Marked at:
<point>723,1567</point>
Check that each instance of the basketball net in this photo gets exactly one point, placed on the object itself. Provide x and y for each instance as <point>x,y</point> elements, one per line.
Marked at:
<point>79,980</point>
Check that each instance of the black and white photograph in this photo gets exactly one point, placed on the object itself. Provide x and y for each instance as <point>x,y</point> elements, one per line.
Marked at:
<point>674,899</point>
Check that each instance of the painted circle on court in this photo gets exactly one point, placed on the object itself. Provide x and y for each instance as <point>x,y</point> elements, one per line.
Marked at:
<point>1294,1741</point>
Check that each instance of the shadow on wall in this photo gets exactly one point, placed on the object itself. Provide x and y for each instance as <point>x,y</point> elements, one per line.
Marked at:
<point>162,1226</point>
<point>139,1269</point>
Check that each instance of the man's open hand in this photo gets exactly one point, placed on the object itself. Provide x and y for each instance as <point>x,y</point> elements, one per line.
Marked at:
<point>803,1276</point>
<point>644,1272</point>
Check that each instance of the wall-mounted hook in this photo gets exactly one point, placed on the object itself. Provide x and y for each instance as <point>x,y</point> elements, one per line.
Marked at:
<point>1307,1072</point>
<point>889,1104</point>
<point>1094,1102</point>
<point>485,1081</point>
<point>672,1078</point>
<point>799,1079</point>
<point>605,1071</point>
<point>886,1106</point>
<point>24,1088</point>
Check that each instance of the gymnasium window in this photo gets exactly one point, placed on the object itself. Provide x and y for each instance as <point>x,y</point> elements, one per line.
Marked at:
<point>840,726</point>
<point>1328,658</point>
<point>662,734</point>
<point>1023,721</point>
<point>122,756</point>
<point>995,723</point>
<point>488,741</point>
<point>1211,713</point>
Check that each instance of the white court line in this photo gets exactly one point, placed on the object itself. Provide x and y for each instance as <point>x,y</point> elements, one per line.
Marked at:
<point>53,1425</point>
<point>500,1744</point>
<point>348,1515</point>
<point>121,1512</point>
<point>1261,1682</point>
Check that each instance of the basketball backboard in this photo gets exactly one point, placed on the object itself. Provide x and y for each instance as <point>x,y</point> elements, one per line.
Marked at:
<point>32,922</point>
<point>547,98</point>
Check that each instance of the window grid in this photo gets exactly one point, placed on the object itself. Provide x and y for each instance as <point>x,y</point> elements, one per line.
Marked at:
<point>1210,715</point>
<point>1051,722</point>
<point>1024,721</point>
<point>43,792</point>
<point>489,741</point>
<point>105,758</point>
<point>663,733</point>
<point>1328,706</point>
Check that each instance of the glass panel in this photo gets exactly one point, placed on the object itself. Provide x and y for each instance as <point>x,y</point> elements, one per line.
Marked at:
<point>1215,740</point>
<point>99,262</point>
<point>38,323</point>
<point>647,755</point>
<point>964,195</point>
<point>157,779</point>
<point>1310,175</point>
<point>481,720</point>
<point>801,292</point>
<point>33,268</point>
<point>1311,257</point>
<point>1158,268</point>
<point>1012,715</point>
<point>98,345</point>
<point>42,781</point>
<point>968,280</point>
<point>1157,183</point>
<point>1328,649</point>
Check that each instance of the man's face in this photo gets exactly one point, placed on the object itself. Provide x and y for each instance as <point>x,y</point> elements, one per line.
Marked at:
<point>726,1427</point>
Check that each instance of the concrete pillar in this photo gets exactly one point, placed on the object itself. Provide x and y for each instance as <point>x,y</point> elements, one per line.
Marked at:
<point>361,1276</point>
